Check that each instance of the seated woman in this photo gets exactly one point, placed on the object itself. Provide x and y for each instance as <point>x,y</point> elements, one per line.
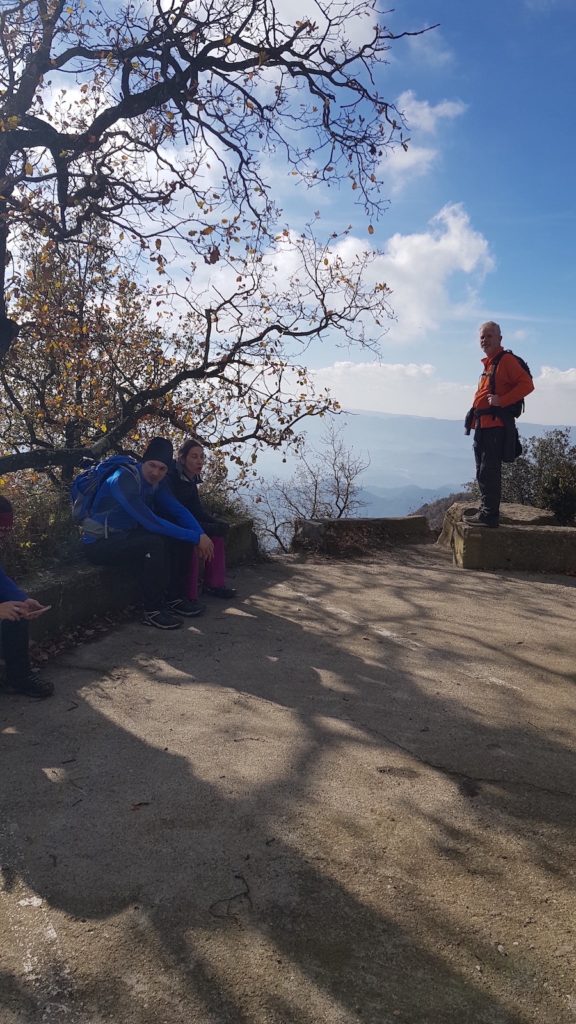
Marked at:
<point>184,478</point>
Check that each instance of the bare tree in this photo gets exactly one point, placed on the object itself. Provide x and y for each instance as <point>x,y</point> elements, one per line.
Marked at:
<point>325,486</point>
<point>92,367</point>
<point>155,120</point>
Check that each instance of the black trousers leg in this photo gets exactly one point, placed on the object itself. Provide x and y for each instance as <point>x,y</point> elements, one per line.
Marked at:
<point>144,552</point>
<point>488,451</point>
<point>179,554</point>
<point>15,650</point>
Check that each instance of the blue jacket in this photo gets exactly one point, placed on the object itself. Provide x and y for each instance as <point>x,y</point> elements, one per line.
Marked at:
<point>8,589</point>
<point>121,505</point>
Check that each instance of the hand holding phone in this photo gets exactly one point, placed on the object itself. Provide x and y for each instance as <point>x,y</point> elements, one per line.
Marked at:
<point>33,609</point>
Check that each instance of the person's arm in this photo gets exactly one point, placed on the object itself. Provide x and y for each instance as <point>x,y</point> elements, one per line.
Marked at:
<point>170,506</point>
<point>512,382</point>
<point>124,489</point>
<point>9,591</point>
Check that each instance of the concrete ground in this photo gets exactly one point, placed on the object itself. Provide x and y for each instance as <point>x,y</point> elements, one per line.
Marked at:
<point>346,798</point>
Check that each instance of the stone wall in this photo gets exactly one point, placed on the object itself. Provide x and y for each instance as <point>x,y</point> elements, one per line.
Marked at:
<point>79,592</point>
<point>347,537</point>
<point>528,540</point>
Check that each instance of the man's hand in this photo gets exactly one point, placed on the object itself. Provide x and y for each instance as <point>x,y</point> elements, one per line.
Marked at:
<point>13,611</point>
<point>205,548</point>
<point>33,609</point>
<point>494,400</point>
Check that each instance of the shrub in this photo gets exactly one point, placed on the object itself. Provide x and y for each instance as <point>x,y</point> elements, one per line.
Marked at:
<point>545,473</point>
<point>218,493</point>
<point>43,533</point>
<point>559,494</point>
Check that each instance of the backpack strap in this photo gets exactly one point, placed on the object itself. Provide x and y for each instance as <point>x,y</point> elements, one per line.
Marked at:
<point>494,367</point>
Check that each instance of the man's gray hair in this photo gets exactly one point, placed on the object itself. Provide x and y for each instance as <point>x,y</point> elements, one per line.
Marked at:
<point>492,323</point>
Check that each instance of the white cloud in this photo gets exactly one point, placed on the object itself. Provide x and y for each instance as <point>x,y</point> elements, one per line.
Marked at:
<point>413,389</point>
<point>400,166</point>
<point>550,376</point>
<point>356,26</point>
<point>431,49</point>
<point>424,116</point>
<point>416,389</point>
<point>419,269</point>
<point>554,397</point>
<point>348,21</point>
<point>432,275</point>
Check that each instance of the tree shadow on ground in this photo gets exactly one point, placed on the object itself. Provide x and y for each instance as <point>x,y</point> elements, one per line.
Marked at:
<point>258,911</point>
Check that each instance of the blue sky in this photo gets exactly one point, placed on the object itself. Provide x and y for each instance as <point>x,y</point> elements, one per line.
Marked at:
<point>482,218</point>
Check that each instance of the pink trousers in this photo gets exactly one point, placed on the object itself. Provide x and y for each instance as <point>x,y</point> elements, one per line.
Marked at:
<point>214,571</point>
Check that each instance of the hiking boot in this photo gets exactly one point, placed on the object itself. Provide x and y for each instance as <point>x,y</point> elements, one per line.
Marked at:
<point>481,519</point>
<point>182,606</point>
<point>162,619</point>
<point>227,592</point>
<point>31,686</point>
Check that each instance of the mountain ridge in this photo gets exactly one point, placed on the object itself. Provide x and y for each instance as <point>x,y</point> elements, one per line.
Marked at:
<point>408,455</point>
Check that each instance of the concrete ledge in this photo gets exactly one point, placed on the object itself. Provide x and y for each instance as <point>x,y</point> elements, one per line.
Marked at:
<point>79,592</point>
<point>358,536</point>
<point>526,540</point>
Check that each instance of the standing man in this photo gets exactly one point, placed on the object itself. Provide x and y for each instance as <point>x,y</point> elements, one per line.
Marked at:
<point>502,384</point>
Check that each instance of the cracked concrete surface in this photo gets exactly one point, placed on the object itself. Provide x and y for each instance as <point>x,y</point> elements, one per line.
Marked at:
<point>348,797</point>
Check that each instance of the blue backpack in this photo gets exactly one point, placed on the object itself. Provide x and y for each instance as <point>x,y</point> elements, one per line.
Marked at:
<point>87,484</point>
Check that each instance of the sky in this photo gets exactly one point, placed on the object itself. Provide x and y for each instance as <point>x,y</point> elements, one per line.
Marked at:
<point>482,218</point>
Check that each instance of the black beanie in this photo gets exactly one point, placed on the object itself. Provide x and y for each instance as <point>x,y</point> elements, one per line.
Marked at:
<point>159,450</point>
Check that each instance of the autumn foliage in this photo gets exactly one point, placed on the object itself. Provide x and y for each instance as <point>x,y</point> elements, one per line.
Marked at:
<point>157,132</point>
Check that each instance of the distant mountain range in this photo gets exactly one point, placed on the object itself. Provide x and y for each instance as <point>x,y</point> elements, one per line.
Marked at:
<point>399,501</point>
<point>413,460</point>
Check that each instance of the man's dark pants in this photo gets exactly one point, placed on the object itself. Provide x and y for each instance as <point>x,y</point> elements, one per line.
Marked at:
<point>15,650</point>
<point>488,452</point>
<point>157,561</point>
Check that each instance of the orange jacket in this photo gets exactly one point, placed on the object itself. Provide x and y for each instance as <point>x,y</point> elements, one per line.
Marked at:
<point>512,384</point>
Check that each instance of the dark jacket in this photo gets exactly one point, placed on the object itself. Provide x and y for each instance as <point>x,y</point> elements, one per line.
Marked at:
<point>186,492</point>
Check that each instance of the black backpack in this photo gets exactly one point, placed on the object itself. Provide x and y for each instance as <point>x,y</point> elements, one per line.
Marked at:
<point>518,408</point>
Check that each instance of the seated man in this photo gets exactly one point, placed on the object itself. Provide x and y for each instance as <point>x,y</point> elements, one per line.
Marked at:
<point>16,611</point>
<point>184,477</point>
<point>135,520</point>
